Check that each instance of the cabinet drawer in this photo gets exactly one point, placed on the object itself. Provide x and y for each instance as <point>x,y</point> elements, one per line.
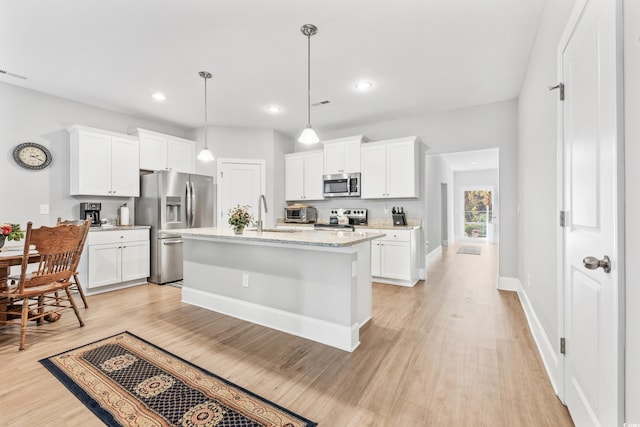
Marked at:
<point>397,235</point>
<point>116,236</point>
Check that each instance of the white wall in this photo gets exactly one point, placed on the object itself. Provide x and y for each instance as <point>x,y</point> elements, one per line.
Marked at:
<point>245,143</point>
<point>537,165</point>
<point>632,207</point>
<point>472,180</point>
<point>485,126</point>
<point>26,115</point>
<point>437,173</point>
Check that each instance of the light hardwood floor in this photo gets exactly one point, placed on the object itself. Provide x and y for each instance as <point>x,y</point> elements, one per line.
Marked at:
<point>452,351</point>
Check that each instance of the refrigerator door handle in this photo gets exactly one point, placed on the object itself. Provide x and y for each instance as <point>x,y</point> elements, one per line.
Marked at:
<point>188,204</point>
<point>192,202</point>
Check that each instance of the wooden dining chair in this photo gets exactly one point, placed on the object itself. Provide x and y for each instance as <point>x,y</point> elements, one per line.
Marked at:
<point>76,286</point>
<point>39,292</point>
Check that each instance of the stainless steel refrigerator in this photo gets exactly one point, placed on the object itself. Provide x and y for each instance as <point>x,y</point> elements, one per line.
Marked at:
<point>169,201</point>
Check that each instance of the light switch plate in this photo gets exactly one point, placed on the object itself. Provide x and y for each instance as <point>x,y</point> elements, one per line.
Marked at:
<point>44,209</point>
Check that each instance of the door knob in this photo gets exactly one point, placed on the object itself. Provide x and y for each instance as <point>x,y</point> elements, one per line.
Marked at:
<point>593,263</point>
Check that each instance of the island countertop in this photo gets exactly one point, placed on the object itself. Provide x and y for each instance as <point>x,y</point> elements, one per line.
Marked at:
<point>334,239</point>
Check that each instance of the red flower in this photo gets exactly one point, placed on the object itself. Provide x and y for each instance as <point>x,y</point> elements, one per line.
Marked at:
<point>6,229</point>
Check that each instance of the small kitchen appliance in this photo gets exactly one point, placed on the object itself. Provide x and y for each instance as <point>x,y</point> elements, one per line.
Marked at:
<point>91,210</point>
<point>341,185</point>
<point>301,214</point>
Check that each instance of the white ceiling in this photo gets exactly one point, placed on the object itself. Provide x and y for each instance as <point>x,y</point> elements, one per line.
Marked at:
<point>472,160</point>
<point>422,56</point>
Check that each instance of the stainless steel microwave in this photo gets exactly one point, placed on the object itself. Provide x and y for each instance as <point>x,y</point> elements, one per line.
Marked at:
<point>300,214</point>
<point>341,185</point>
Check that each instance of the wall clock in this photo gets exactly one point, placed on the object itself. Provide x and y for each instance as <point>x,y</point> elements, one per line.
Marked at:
<point>32,156</point>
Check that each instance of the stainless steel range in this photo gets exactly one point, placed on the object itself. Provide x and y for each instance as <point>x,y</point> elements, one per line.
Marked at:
<point>356,216</point>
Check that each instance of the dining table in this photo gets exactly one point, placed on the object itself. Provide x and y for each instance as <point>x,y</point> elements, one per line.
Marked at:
<point>9,257</point>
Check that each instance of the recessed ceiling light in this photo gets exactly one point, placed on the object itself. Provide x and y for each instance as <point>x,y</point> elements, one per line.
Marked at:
<point>159,96</point>
<point>474,163</point>
<point>273,109</point>
<point>364,85</point>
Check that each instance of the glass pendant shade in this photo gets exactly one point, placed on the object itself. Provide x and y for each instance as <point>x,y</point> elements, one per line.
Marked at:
<point>308,136</point>
<point>205,155</point>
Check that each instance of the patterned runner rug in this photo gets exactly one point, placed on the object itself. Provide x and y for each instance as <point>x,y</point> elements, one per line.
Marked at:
<point>127,381</point>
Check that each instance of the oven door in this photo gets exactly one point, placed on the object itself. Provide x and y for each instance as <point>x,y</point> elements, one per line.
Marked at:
<point>336,185</point>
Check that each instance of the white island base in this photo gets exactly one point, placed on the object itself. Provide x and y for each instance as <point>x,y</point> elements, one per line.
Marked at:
<point>318,292</point>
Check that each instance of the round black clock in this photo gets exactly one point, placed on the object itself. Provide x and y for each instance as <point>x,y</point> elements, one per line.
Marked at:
<point>32,156</point>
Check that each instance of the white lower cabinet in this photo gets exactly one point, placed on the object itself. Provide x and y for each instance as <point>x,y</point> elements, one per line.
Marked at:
<point>394,258</point>
<point>114,259</point>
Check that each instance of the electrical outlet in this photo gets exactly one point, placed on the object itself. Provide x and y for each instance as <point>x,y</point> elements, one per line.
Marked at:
<point>44,209</point>
<point>386,209</point>
<point>245,280</point>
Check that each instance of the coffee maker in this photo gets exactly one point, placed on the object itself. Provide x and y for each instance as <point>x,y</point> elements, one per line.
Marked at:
<point>91,210</point>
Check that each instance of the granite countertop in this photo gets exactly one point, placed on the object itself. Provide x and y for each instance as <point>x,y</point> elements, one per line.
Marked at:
<point>311,238</point>
<point>119,227</point>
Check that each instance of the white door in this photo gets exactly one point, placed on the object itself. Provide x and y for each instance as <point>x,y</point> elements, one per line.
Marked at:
<point>240,182</point>
<point>593,367</point>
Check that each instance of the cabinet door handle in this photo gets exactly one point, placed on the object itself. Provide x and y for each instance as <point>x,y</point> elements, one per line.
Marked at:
<point>176,242</point>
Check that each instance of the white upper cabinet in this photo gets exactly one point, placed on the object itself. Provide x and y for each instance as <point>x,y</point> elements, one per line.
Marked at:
<point>342,155</point>
<point>159,151</point>
<point>103,163</point>
<point>303,176</point>
<point>390,169</point>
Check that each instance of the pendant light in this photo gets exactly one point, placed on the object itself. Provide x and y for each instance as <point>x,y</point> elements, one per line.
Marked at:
<point>308,135</point>
<point>205,155</point>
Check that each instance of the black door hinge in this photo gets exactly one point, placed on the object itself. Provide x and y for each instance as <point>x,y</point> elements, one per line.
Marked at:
<point>562,346</point>
<point>562,218</point>
<point>560,87</point>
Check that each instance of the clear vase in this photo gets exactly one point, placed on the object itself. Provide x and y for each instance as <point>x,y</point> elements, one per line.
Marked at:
<point>2,239</point>
<point>238,229</point>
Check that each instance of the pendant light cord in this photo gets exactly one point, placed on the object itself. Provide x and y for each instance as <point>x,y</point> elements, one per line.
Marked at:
<point>309,80</point>
<point>206,146</point>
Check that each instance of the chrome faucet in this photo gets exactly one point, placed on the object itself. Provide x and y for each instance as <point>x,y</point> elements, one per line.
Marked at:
<point>261,200</point>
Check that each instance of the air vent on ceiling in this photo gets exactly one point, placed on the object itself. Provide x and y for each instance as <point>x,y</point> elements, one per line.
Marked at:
<point>326,101</point>
<point>12,74</point>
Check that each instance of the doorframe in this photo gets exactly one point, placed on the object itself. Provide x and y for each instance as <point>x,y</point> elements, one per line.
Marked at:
<point>263,185</point>
<point>573,20</point>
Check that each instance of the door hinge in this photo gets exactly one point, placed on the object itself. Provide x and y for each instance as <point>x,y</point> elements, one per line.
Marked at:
<point>560,87</point>
<point>221,174</point>
<point>562,218</point>
<point>562,346</point>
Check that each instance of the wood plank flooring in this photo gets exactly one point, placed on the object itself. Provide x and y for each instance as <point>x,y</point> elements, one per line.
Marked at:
<point>452,351</point>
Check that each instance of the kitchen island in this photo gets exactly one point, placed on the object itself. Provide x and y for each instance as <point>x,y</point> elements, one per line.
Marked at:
<point>313,284</point>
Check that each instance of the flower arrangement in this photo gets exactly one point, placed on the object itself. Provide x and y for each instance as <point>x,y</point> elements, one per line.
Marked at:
<point>239,217</point>
<point>11,232</point>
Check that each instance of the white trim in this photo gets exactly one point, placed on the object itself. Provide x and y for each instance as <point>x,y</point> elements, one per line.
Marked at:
<point>433,255</point>
<point>508,283</point>
<point>553,364</point>
<point>397,282</point>
<point>342,337</point>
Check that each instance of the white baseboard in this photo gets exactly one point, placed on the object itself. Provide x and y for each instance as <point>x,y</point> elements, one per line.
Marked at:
<point>508,283</point>
<point>387,281</point>
<point>343,337</point>
<point>550,357</point>
<point>434,254</point>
